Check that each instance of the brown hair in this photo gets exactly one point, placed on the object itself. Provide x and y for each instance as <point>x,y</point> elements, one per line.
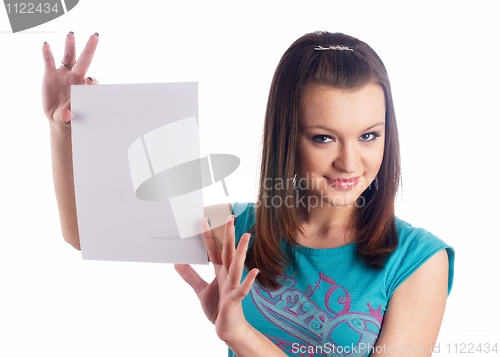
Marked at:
<point>374,218</point>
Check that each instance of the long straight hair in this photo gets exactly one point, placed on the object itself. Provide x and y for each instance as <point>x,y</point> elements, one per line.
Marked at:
<point>351,68</point>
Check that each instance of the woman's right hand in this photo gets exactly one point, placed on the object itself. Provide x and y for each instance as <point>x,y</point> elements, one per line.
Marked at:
<point>57,82</point>
<point>56,92</point>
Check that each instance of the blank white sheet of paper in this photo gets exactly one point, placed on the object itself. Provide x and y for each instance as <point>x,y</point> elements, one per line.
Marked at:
<point>127,141</point>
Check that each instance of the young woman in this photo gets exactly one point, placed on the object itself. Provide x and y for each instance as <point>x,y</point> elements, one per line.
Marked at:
<point>322,267</point>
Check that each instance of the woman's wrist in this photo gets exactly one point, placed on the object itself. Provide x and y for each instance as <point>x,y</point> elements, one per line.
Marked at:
<point>250,342</point>
<point>243,342</point>
<point>59,130</point>
<point>237,336</point>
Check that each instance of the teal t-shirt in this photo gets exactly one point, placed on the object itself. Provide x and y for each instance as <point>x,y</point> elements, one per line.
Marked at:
<point>332,303</point>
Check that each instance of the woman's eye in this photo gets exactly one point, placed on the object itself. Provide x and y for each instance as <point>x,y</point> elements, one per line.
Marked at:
<point>369,136</point>
<point>322,138</point>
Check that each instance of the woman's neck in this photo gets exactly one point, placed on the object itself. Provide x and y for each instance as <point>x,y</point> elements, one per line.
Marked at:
<point>327,226</point>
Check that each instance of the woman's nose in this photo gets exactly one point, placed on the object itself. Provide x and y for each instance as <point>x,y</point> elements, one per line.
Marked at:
<point>348,159</point>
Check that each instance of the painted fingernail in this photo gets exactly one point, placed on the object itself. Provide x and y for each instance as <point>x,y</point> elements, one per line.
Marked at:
<point>209,222</point>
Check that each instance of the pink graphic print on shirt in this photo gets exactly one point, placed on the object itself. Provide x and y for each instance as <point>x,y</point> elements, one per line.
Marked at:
<point>319,318</point>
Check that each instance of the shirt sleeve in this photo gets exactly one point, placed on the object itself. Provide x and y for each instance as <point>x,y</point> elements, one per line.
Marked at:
<point>244,218</point>
<point>416,246</point>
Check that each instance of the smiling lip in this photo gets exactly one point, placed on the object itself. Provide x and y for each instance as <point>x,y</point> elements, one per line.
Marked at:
<point>343,183</point>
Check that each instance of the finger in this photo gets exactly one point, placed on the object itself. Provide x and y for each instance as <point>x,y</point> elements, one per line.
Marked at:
<point>91,80</point>
<point>241,289</point>
<point>65,115</point>
<point>238,263</point>
<point>48,57</point>
<point>213,250</point>
<point>69,50</point>
<point>83,63</point>
<point>228,242</point>
<point>191,277</point>
<point>246,285</point>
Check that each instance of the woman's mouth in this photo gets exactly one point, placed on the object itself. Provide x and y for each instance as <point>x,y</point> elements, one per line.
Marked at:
<point>343,183</point>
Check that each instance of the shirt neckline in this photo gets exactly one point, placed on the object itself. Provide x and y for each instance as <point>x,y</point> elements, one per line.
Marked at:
<point>324,251</point>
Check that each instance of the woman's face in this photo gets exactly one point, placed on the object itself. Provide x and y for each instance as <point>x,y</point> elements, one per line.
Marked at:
<point>341,143</point>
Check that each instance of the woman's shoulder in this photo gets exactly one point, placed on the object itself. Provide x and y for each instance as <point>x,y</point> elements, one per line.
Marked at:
<point>240,208</point>
<point>409,235</point>
<point>416,245</point>
<point>244,213</point>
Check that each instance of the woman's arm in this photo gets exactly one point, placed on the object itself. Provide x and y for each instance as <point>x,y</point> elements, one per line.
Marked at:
<point>56,86</point>
<point>415,311</point>
<point>62,169</point>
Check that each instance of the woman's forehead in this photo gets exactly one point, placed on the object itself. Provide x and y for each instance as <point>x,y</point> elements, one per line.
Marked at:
<point>327,106</point>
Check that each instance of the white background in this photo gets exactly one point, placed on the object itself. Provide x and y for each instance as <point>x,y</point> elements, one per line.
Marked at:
<point>442,58</point>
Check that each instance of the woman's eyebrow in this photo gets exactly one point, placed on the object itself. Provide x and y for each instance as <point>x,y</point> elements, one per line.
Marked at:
<point>322,127</point>
<point>375,125</point>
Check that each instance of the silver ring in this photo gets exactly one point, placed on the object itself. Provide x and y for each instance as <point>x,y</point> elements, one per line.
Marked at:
<point>70,66</point>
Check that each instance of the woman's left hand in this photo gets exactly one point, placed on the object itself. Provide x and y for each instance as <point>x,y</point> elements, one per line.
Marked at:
<point>221,299</point>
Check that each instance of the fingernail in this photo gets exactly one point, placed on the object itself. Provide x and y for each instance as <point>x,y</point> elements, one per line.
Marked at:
<point>209,222</point>
<point>97,34</point>
<point>45,42</point>
<point>91,78</point>
<point>71,32</point>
